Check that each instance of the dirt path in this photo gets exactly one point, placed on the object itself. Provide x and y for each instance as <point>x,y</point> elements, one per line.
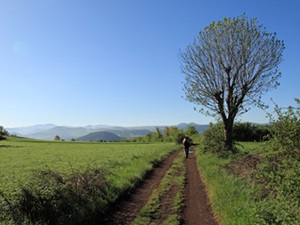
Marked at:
<point>125,212</point>
<point>196,210</point>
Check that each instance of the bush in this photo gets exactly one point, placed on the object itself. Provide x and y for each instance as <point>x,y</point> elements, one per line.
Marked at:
<point>213,138</point>
<point>213,141</point>
<point>278,201</point>
<point>250,132</point>
<point>55,198</point>
<point>285,130</point>
<point>3,133</point>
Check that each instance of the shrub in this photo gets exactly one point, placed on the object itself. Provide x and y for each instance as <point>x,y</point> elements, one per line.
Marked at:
<point>3,133</point>
<point>286,128</point>
<point>250,132</point>
<point>55,198</point>
<point>278,201</point>
<point>213,141</point>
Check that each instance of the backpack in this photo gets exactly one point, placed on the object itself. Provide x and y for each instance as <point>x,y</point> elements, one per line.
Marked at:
<point>186,143</point>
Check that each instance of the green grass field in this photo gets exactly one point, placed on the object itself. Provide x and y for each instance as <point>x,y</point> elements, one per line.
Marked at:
<point>125,165</point>
<point>125,161</point>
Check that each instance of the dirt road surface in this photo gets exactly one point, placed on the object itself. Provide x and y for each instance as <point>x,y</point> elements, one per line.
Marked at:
<point>126,210</point>
<point>197,210</point>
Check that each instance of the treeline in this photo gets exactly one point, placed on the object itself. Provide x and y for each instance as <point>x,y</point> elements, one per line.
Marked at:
<point>168,134</point>
<point>3,133</point>
<point>250,132</point>
<point>242,132</point>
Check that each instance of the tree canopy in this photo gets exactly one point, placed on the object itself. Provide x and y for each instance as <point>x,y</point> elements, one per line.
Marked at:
<point>229,66</point>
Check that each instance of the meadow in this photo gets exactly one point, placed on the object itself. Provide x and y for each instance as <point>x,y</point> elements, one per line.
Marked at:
<point>124,163</point>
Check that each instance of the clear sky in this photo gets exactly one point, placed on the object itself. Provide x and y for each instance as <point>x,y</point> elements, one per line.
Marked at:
<point>115,62</point>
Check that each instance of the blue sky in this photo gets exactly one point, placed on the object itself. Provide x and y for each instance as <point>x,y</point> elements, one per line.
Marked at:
<point>116,62</point>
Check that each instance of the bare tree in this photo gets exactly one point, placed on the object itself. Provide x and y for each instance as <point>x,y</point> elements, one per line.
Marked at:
<point>229,66</point>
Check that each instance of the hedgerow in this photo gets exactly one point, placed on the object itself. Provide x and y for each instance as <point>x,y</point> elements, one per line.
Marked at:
<point>279,199</point>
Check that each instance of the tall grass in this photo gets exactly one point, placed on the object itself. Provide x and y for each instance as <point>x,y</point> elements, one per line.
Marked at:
<point>231,197</point>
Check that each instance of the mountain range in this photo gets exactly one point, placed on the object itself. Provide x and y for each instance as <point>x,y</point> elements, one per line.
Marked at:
<point>91,132</point>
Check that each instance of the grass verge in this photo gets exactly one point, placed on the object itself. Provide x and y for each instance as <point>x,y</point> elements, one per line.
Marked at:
<point>230,196</point>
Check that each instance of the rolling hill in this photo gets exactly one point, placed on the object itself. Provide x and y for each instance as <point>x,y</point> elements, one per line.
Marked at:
<point>100,136</point>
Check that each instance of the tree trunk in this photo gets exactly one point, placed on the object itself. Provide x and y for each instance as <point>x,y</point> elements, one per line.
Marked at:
<point>228,131</point>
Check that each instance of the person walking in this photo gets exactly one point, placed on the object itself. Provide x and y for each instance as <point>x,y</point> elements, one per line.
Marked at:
<point>186,145</point>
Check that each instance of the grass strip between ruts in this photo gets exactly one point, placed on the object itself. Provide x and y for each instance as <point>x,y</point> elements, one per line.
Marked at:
<point>153,212</point>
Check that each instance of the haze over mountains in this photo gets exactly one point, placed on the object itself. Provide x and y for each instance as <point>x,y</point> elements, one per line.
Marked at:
<point>91,132</point>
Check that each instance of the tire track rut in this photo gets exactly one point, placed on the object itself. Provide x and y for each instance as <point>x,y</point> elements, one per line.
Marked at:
<point>196,211</point>
<point>197,208</point>
<point>126,210</point>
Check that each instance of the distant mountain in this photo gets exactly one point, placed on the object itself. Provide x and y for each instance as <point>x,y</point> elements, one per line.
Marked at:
<point>199,127</point>
<point>68,133</point>
<point>49,131</point>
<point>129,133</point>
<point>65,133</point>
<point>100,136</point>
<point>30,129</point>
<point>97,127</point>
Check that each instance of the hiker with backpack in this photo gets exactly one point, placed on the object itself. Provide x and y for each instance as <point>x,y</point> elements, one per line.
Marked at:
<point>186,145</point>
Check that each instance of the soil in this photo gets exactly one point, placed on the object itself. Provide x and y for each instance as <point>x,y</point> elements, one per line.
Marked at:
<point>125,211</point>
<point>243,167</point>
<point>196,211</point>
<point>197,208</point>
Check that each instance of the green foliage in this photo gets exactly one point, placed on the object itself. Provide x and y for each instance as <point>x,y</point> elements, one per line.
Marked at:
<point>229,66</point>
<point>56,138</point>
<point>278,201</point>
<point>286,128</point>
<point>169,134</point>
<point>155,136</point>
<point>176,135</point>
<point>213,138</point>
<point>213,141</point>
<point>274,195</point>
<point>250,132</point>
<point>51,197</point>
<point>3,133</point>
<point>230,196</point>
<point>216,62</point>
<point>191,131</point>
